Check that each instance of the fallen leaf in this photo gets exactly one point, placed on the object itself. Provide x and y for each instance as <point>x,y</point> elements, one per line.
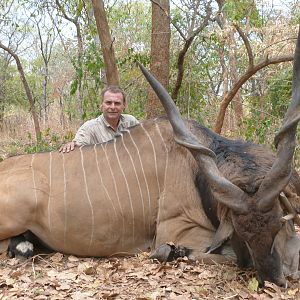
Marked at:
<point>16,274</point>
<point>293,292</point>
<point>73,258</point>
<point>253,284</point>
<point>57,257</point>
<point>63,287</point>
<point>13,261</point>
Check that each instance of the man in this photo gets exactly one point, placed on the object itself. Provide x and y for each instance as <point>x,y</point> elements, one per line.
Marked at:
<point>107,125</point>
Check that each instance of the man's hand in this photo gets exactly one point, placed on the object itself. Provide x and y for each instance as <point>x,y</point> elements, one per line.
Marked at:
<point>67,147</point>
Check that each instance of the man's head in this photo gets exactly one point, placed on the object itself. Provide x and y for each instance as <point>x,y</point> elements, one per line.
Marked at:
<point>113,104</point>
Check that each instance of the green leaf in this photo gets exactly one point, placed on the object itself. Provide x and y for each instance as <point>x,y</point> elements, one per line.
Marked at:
<point>79,8</point>
<point>253,285</point>
<point>74,86</point>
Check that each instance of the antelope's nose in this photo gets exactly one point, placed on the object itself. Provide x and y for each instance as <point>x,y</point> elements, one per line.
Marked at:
<point>282,282</point>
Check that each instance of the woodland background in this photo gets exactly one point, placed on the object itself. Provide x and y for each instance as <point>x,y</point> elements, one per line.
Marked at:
<point>226,63</point>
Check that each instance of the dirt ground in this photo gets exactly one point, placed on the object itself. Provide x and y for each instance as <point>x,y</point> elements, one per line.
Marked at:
<point>58,276</point>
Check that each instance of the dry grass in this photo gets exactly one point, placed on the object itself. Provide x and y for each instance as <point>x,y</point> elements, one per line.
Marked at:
<point>18,131</point>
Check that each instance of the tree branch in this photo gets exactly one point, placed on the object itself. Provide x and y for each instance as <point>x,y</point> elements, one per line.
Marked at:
<point>62,10</point>
<point>182,53</point>
<point>169,17</point>
<point>247,45</point>
<point>250,72</point>
<point>27,90</point>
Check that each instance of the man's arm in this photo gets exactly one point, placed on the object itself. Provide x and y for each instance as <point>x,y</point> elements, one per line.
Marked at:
<point>82,137</point>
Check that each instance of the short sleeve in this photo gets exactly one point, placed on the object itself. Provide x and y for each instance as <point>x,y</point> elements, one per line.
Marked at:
<point>84,135</point>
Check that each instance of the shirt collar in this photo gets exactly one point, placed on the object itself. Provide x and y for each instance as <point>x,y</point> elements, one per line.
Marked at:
<point>121,121</point>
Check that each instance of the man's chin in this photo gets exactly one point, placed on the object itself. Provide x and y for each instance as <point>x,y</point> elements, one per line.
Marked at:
<point>112,116</point>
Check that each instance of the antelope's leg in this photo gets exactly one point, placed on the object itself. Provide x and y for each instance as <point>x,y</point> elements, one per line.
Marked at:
<point>190,239</point>
<point>19,204</point>
<point>11,224</point>
<point>4,245</point>
<point>11,229</point>
<point>169,252</point>
<point>18,209</point>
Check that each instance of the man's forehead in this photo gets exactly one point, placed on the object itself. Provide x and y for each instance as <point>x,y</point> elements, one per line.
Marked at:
<point>109,96</point>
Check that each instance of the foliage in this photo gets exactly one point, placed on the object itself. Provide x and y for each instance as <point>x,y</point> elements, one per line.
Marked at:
<point>265,114</point>
<point>49,141</point>
<point>241,10</point>
<point>257,128</point>
<point>130,23</point>
<point>280,92</point>
<point>13,89</point>
<point>200,89</point>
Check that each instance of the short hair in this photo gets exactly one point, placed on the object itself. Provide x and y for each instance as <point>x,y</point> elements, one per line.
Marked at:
<point>115,90</point>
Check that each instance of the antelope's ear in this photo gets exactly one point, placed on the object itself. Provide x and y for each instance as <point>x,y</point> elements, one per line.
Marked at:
<point>223,234</point>
<point>293,198</point>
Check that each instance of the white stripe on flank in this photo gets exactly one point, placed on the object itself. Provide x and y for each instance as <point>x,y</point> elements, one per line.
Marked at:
<point>137,179</point>
<point>166,149</point>
<point>128,190</point>
<point>50,186</point>
<point>116,191</point>
<point>65,198</point>
<point>34,185</point>
<point>162,196</point>
<point>154,155</point>
<point>102,183</point>
<point>89,198</point>
<point>142,167</point>
<point>144,176</point>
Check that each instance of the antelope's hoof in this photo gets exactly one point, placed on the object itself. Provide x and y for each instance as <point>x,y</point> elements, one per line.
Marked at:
<point>169,252</point>
<point>19,247</point>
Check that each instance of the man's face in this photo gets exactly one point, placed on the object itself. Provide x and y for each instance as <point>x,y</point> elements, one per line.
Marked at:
<point>112,106</point>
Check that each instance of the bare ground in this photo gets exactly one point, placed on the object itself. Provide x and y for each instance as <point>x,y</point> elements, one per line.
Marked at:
<point>57,276</point>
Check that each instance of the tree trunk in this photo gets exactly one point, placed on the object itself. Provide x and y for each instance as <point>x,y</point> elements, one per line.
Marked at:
<point>2,96</point>
<point>45,96</point>
<point>62,109</point>
<point>78,67</point>
<point>27,90</point>
<point>160,53</point>
<point>225,77</point>
<point>111,71</point>
<point>188,40</point>
<point>236,104</point>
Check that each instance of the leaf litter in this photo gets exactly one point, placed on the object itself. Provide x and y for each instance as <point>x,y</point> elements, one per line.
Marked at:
<point>56,276</point>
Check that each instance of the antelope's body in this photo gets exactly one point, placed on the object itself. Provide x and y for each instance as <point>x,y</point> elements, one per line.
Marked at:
<point>123,196</point>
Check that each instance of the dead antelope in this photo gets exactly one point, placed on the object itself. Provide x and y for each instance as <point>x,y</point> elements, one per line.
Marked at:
<point>157,184</point>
